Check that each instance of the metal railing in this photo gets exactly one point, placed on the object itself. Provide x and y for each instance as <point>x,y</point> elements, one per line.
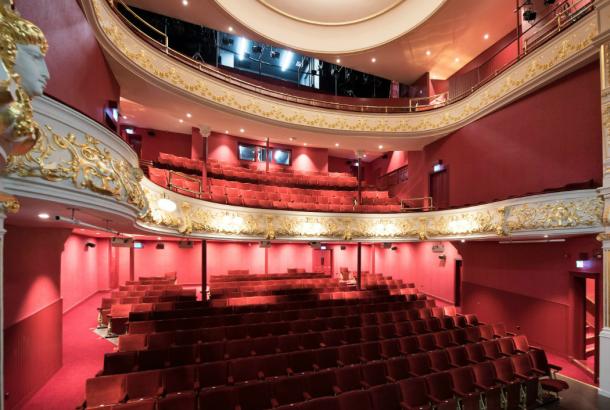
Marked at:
<point>566,13</point>
<point>424,203</point>
<point>178,188</point>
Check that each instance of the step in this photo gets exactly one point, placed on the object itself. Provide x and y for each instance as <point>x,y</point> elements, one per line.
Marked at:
<point>590,351</point>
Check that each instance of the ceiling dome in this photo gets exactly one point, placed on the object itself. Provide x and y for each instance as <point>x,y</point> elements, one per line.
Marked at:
<point>331,27</point>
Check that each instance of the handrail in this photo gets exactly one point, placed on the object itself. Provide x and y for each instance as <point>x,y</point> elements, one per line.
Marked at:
<point>423,207</point>
<point>443,98</point>
<point>146,23</point>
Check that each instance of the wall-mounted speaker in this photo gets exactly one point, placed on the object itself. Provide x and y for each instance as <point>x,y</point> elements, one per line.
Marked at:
<point>387,245</point>
<point>343,247</point>
<point>121,242</point>
<point>264,244</point>
<point>89,245</point>
<point>315,244</point>
<point>160,246</point>
<point>151,133</point>
<point>185,244</point>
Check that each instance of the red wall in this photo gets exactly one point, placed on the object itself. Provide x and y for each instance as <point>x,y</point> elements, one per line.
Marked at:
<point>80,76</point>
<point>83,269</point>
<point>163,141</point>
<point>223,147</point>
<point>536,143</point>
<point>150,261</point>
<point>416,263</point>
<point>223,256</point>
<point>336,164</point>
<point>526,286</point>
<point>32,308</point>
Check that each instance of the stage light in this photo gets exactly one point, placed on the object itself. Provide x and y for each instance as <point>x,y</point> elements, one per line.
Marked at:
<point>291,139</point>
<point>226,131</point>
<point>457,59</point>
<point>160,246</point>
<point>43,215</point>
<point>129,131</point>
<point>305,144</point>
<point>180,120</point>
<point>124,117</point>
<point>89,245</point>
<point>286,60</point>
<point>529,15</point>
<point>257,49</point>
<point>166,205</point>
<point>275,54</point>
<point>463,241</point>
<point>242,46</point>
<point>138,245</point>
<point>580,264</point>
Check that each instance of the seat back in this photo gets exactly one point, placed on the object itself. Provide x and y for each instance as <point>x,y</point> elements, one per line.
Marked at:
<point>414,392</point>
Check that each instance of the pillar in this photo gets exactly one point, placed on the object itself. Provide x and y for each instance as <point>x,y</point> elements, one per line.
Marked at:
<point>359,266</point>
<point>204,269</point>
<point>602,8</point>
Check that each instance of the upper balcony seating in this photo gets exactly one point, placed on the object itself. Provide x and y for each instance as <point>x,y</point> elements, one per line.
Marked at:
<point>274,197</point>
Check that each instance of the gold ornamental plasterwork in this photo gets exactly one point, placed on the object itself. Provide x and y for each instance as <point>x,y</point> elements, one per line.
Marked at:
<point>155,63</point>
<point>556,215</point>
<point>194,217</point>
<point>84,161</point>
<point>8,203</point>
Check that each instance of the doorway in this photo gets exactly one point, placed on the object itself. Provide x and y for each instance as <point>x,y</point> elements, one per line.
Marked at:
<point>323,261</point>
<point>587,320</point>
<point>457,292</point>
<point>439,189</point>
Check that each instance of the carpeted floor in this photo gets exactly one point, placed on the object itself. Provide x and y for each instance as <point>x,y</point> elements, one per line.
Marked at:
<point>570,369</point>
<point>83,356</point>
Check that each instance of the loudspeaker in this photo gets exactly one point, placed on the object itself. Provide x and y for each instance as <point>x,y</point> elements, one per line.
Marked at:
<point>264,244</point>
<point>387,245</point>
<point>315,244</point>
<point>90,245</point>
<point>438,248</point>
<point>160,245</point>
<point>185,244</point>
<point>121,242</point>
<point>343,247</point>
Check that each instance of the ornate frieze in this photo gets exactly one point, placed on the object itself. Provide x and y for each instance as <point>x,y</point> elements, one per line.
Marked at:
<point>570,212</point>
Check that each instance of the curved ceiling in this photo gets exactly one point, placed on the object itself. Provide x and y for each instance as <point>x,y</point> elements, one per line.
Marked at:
<point>330,27</point>
<point>406,38</point>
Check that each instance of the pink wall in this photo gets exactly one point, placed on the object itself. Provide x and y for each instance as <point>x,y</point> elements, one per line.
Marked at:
<point>150,261</point>
<point>416,263</point>
<point>289,255</point>
<point>348,257</point>
<point>223,256</point>
<point>197,144</point>
<point>80,79</point>
<point>336,164</point>
<point>526,286</point>
<point>82,269</point>
<point>223,147</point>
<point>163,141</point>
<point>521,148</point>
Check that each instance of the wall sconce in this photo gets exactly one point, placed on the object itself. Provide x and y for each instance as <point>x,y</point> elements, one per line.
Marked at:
<point>442,257</point>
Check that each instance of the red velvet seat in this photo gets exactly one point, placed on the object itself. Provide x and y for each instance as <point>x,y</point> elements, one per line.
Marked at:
<point>397,369</point>
<point>275,366</point>
<point>246,369</point>
<point>385,397</point>
<point>152,359</point>
<point>439,360</point>
<point>476,353</point>
<point>254,396</point>
<point>239,348</point>
<point>144,404</point>
<point>348,378</point>
<point>458,356</point>
<point>132,342</point>
<point>287,390</point>
<point>355,400</point>
<point>409,345</point>
<point>349,354</point>
<point>513,385</point>
<point>326,358</point>
<point>322,403</point>
<point>105,390</point>
<point>427,342</point>
<point>370,351</point>
<point>390,348</point>
<point>419,364</point>
<point>492,349</point>
<point>414,394</point>
<point>120,362</point>
<point>143,385</point>
<point>320,384</point>
<point>211,352</point>
<point>465,388</point>
<point>218,399</point>
<point>440,391</point>
<point>374,374</point>
<point>301,361</point>
<point>485,380</point>
<point>208,374</point>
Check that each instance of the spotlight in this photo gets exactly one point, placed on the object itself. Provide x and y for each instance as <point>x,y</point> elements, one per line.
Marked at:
<point>189,115</point>
<point>529,15</point>
<point>160,246</point>
<point>336,144</point>
<point>338,60</point>
<point>89,245</point>
<point>43,215</point>
<point>227,41</point>
<point>185,2</point>
<point>275,54</point>
<point>428,52</point>
<point>257,49</point>
<point>230,28</point>
<point>485,36</point>
<point>180,120</point>
<point>373,60</point>
<point>130,131</point>
<point>242,130</point>
<point>381,147</point>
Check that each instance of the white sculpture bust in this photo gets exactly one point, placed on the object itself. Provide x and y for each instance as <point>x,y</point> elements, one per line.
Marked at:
<point>23,76</point>
<point>31,67</point>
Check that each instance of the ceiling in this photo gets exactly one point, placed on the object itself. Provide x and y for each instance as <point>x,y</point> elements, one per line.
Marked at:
<point>397,34</point>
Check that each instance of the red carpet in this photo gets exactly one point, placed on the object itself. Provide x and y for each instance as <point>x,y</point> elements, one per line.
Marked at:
<point>83,353</point>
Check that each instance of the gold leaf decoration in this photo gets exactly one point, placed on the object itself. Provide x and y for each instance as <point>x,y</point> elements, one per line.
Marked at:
<point>87,164</point>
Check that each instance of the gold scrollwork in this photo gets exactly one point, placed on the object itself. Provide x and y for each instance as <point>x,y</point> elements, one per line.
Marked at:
<point>556,215</point>
<point>87,164</point>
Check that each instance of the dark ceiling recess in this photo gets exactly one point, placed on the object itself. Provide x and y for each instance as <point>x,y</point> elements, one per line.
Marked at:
<point>259,60</point>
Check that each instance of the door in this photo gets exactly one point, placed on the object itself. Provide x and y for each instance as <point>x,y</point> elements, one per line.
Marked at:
<point>439,189</point>
<point>457,296</point>
<point>323,261</point>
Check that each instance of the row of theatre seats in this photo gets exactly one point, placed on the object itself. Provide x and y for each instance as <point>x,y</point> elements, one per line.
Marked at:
<point>198,357</point>
<point>277,175</point>
<point>143,295</point>
<point>274,197</point>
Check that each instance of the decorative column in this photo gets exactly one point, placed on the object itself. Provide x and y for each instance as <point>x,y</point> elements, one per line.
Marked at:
<point>604,338</point>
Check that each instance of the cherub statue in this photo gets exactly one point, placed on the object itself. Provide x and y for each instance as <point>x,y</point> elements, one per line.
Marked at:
<point>23,76</point>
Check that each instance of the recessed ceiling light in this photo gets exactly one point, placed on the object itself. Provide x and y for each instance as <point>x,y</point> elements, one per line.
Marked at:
<point>363,155</point>
<point>291,139</point>
<point>338,60</point>
<point>189,115</point>
<point>546,236</point>
<point>485,36</point>
<point>381,147</point>
<point>336,144</point>
<point>242,130</point>
<point>428,52</point>
<point>305,144</point>
<point>158,238</point>
<point>185,2</point>
<point>226,131</point>
<point>373,59</point>
<point>463,240</point>
<point>43,215</point>
<point>457,59</point>
<point>124,117</point>
<point>180,120</point>
<point>230,28</point>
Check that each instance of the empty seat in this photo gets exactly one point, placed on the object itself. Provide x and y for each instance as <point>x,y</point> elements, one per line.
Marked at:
<point>208,374</point>
<point>218,399</point>
<point>287,390</point>
<point>414,394</point>
<point>254,396</point>
<point>464,386</point>
<point>419,364</point>
<point>397,369</point>
<point>105,390</point>
<point>120,362</point>
<point>348,378</point>
<point>374,374</point>
<point>321,384</point>
<point>355,400</point>
<point>476,353</point>
<point>385,397</point>
<point>143,384</point>
<point>349,354</point>
<point>485,379</point>
<point>246,369</point>
<point>544,368</point>
<point>440,391</point>
<point>439,360</point>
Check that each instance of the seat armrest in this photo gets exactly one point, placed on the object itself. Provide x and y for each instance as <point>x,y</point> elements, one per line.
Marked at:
<point>471,361</point>
<point>322,344</point>
<point>435,399</point>
<point>230,380</point>
<point>260,375</point>
<point>274,403</point>
<point>523,376</point>
<point>555,367</point>
<point>362,359</point>
<point>252,352</point>
<point>337,390</point>
<point>502,381</point>
<point>480,386</point>
<point>289,371</point>
<point>511,334</point>
<point>306,395</point>
<point>539,372</point>
<point>364,384</point>
<point>384,356</point>
<point>316,368</point>
<point>340,363</point>
<point>237,407</point>
<point>390,379</point>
